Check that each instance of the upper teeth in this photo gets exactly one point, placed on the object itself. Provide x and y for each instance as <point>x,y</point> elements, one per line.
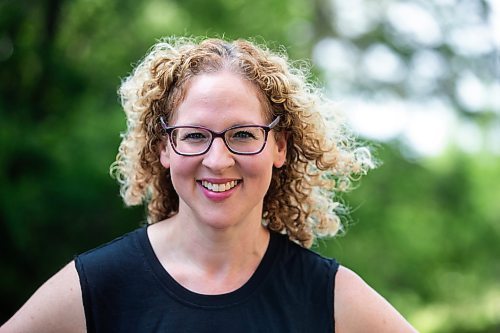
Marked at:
<point>219,187</point>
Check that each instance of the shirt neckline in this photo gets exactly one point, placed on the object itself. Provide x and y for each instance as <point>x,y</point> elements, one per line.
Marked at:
<point>184,295</point>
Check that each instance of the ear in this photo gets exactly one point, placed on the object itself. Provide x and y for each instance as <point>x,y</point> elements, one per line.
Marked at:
<point>280,150</point>
<point>164,154</point>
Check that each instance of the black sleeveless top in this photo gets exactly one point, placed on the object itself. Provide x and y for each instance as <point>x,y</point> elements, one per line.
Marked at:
<point>126,289</point>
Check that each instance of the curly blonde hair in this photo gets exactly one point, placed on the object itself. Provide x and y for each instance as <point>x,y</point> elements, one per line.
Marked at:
<point>321,157</point>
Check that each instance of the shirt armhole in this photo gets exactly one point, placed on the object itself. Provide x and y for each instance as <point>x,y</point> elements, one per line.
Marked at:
<point>86,297</point>
<point>333,273</point>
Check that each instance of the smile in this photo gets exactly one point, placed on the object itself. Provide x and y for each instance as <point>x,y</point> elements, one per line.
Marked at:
<point>219,187</point>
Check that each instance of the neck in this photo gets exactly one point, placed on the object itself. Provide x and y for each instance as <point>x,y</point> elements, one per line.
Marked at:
<point>206,259</point>
<point>219,249</point>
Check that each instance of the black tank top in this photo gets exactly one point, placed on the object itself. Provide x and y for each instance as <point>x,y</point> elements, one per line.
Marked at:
<point>126,289</point>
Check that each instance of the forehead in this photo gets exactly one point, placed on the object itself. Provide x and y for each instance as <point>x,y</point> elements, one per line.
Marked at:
<point>221,96</point>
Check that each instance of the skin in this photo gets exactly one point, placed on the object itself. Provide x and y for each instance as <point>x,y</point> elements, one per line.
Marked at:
<point>216,241</point>
<point>55,307</point>
<point>359,308</point>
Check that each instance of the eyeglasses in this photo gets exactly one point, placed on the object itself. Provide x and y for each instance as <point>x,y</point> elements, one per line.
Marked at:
<point>197,140</point>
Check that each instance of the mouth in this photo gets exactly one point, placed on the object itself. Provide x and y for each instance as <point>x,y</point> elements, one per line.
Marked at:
<point>219,187</point>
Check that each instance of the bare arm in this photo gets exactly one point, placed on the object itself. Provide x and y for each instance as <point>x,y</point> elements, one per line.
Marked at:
<point>359,308</point>
<point>55,307</point>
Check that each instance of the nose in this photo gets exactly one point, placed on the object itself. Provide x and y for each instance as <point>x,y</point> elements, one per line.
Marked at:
<point>218,157</point>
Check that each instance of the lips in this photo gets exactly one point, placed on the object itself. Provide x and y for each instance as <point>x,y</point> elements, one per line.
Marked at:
<point>219,187</point>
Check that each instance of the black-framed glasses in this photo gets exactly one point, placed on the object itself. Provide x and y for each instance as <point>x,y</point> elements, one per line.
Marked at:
<point>197,140</point>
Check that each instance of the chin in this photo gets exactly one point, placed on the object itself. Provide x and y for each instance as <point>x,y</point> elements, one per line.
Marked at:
<point>219,223</point>
<point>224,221</point>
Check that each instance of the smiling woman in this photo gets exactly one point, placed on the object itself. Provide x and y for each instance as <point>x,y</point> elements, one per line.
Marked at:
<point>160,83</point>
<point>227,147</point>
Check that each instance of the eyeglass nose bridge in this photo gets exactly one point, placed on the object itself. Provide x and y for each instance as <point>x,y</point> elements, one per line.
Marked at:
<point>221,135</point>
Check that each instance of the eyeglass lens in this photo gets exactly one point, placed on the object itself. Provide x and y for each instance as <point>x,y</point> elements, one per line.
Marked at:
<point>190,140</point>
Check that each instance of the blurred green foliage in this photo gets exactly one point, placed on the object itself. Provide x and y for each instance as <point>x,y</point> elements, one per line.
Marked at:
<point>425,235</point>
<point>424,232</point>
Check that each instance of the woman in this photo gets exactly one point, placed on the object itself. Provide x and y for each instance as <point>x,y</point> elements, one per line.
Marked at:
<point>227,146</point>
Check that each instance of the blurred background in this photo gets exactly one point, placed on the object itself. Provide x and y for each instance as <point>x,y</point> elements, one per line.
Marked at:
<point>419,80</point>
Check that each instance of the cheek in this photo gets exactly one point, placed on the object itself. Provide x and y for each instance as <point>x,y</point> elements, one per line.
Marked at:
<point>183,166</point>
<point>183,171</point>
<point>259,167</point>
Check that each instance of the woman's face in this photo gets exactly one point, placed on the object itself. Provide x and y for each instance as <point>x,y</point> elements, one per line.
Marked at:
<point>219,188</point>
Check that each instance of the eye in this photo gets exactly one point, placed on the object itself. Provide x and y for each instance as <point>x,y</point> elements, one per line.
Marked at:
<point>244,135</point>
<point>192,135</point>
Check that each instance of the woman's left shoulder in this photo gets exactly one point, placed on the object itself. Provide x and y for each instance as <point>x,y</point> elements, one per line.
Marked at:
<point>308,260</point>
<point>359,308</point>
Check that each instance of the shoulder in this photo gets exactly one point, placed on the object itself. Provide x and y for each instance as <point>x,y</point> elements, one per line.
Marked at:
<point>359,308</point>
<point>294,251</point>
<point>309,272</point>
<point>108,257</point>
<point>120,245</point>
<point>55,307</point>
<point>111,266</point>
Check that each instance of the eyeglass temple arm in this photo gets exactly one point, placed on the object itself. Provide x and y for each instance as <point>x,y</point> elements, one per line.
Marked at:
<point>163,123</point>
<point>275,122</point>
